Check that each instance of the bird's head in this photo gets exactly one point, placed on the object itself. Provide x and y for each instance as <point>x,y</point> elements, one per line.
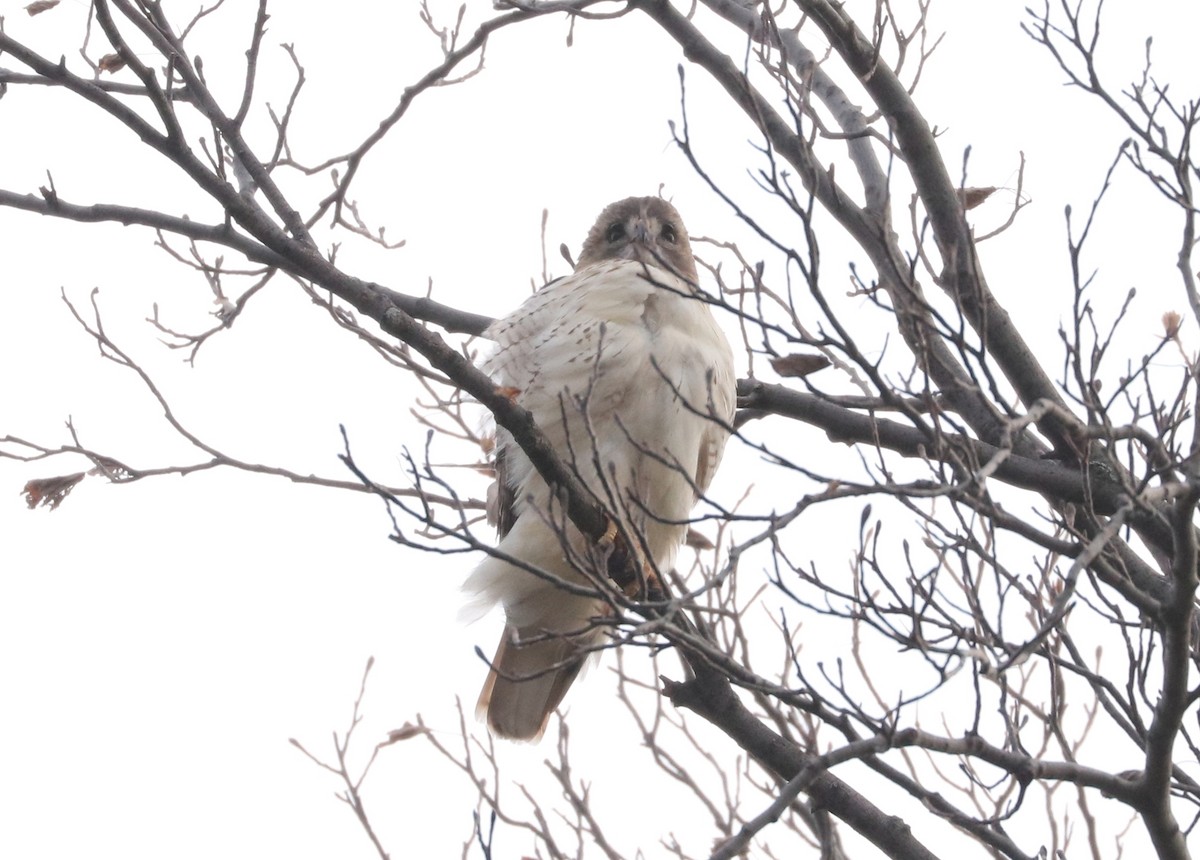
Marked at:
<point>646,229</point>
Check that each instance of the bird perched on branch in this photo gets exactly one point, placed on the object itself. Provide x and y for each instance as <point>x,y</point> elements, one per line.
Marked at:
<point>628,376</point>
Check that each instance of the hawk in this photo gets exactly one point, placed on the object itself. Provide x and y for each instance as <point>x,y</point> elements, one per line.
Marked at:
<point>630,379</point>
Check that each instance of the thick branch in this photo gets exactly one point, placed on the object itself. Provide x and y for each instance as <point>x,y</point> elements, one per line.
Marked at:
<point>711,696</point>
<point>849,426</point>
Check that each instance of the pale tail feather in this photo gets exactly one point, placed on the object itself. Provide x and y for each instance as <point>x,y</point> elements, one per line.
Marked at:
<point>522,689</point>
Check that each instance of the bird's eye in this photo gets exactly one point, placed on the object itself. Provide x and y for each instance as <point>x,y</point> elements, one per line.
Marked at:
<point>616,232</point>
<point>668,233</point>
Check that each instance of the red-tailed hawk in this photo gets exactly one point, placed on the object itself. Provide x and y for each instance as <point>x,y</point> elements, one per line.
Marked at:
<point>631,381</point>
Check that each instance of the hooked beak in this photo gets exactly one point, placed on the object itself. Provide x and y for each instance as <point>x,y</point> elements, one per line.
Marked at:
<point>641,245</point>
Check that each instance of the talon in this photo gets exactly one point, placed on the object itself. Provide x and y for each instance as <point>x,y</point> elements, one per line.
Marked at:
<point>610,533</point>
<point>652,589</point>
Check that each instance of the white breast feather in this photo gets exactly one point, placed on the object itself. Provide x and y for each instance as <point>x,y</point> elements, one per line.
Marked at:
<point>620,365</point>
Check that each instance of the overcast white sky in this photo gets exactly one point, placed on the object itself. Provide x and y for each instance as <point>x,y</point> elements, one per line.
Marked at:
<point>160,642</point>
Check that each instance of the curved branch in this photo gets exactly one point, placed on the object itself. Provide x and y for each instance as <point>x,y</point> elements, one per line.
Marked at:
<point>962,276</point>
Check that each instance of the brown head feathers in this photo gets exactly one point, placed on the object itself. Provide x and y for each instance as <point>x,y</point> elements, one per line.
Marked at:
<point>646,229</point>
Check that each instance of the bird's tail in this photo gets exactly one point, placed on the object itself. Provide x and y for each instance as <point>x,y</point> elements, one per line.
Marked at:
<point>530,674</point>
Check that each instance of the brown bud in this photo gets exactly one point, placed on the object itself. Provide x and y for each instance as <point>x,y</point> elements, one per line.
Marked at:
<point>798,365</point>
<point>972,197</point>
<point>1171,322</point>
<point>110,63</point>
